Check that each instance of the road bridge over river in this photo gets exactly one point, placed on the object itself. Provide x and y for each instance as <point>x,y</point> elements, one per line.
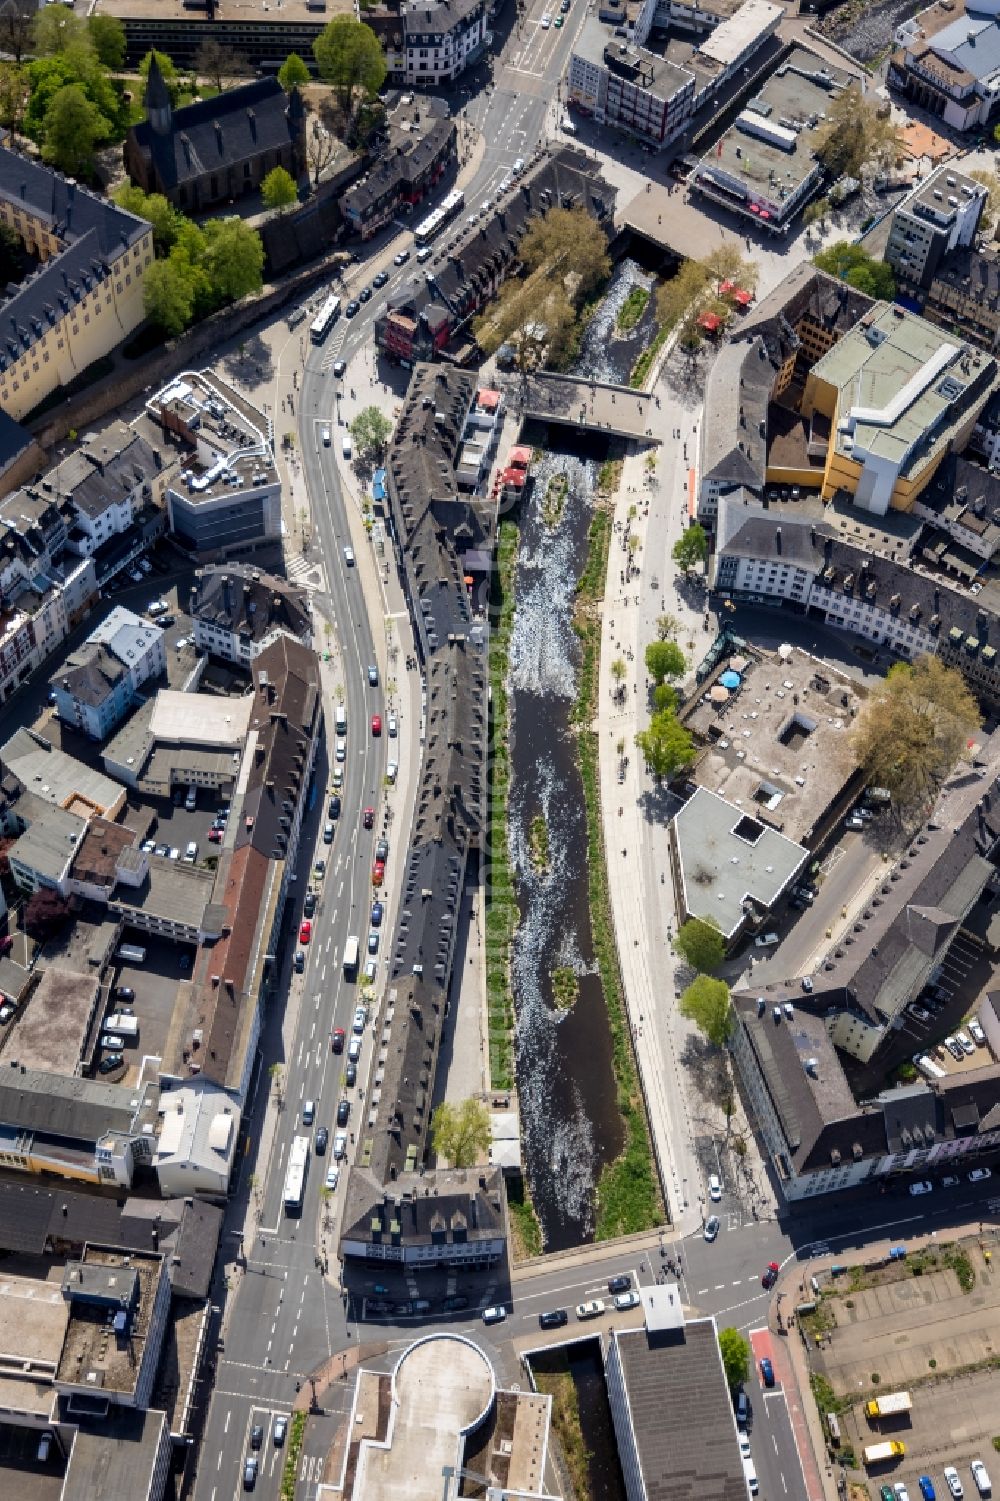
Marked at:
<point>589,406</point>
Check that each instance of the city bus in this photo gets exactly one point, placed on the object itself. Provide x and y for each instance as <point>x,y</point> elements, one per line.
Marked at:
<point>435,221</point>
<point>295,1177</point>
<point>324,320</point>
<point>351,959</point>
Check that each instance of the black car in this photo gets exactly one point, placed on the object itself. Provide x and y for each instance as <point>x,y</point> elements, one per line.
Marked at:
<point>620,1284</point>
<point>454,1303</point>
<point>380,279</point>
<point>110,1063</point>
<point>309,905</point>
<point>256,1436</point>
<point>382,849</point>
<point>125,993</point>
<point>250,1474</point>
<point>364,294</point>
<point>343,1111</point>
<point>554,1319</point>
<point>352,309</point>
<point>351,1074</point>
<point>322,1142</point>
<point>334,809</point>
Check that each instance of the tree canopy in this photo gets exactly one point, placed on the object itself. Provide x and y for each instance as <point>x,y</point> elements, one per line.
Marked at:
<point>219,64</point>
<point>461,1133</point>
<point>856,136</point>
<point>665,745</point>
<point>700,943</point>
<point>349,56</point>
<point>45,913</point>
<point>913,730</point>
<point>568,243</point>
<point>691,547</point>
<point>735,1357</point>
<point>58,28</point>
<point>850,263</point>
<point>73,128</point>
<point>371,431</point>
<point>278,189</point>
<point>108,37</point>
<point>293,73</point>
<point>664,659</point>
<point>706,1003</point>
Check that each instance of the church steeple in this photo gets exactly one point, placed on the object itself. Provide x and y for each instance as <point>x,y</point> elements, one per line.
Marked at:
<point>158,109</point>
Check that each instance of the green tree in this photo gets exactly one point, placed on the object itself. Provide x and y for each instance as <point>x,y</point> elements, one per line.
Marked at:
<point>278,189</point>
<point>664,659</point>
<point>914,729</point>
<point>700,943</point>
<point>461,1133</point>
<point>155,208</point>
<point>47,75</point>
<point>349,58</point>
<point>568,242</point>
<point>293,73</point>
<point>107,34</point>
<point>234,259</point>
<point>665,698</point>
<point>857,136</point>
<point>169,289</point>
<point>59,29</point>
<point>73,128</point>
<point>735,1357</point>
<point>691,547</point>
<point>850,263</point>
<point>706,1003</point>
<point>13,95</point>
<point>666,746</point>
<point>371,431</point>
<point>667,627</point>
<point>11,255</point>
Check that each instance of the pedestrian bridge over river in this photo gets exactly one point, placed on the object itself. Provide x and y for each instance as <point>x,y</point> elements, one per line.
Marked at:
<point>590,406</point>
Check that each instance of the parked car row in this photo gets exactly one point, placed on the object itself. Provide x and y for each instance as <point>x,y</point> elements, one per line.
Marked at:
<point>952,1480</point>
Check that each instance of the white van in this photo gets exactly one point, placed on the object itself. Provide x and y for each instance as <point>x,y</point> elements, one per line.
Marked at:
<point>346,441</point>
<point>751,1475</point>
<point>340,718</point>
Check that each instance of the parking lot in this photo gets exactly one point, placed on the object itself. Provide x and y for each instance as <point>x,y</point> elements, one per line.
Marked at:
<point>155,984</point>
<point>913,1328</point>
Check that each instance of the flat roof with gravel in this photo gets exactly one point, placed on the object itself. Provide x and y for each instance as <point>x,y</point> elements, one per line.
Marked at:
<point>50,1035</point>
<point>200,718</point>
<point>727,856</point>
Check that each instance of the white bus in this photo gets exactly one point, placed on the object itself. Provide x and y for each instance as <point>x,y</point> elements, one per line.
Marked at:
<point>324,320</point>
<point>295,1177</point>
<point>351,959</point>
<point>439,217</point>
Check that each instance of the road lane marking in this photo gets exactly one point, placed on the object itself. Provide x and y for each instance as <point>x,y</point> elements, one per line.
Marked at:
<point>228,1416</point>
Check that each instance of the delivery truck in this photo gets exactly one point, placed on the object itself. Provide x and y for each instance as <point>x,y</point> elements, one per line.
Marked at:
<point>127,1026</point>
<point>892,1405</point>
<point>879,1454</point>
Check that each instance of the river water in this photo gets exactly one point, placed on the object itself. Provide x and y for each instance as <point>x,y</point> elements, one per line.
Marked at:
<point>571,1125</point>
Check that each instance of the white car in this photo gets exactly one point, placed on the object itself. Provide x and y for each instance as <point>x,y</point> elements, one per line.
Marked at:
<point>546,21</point>
<point>711,1227</point>
<point>902,1494</point>
<point>766,941</point>
<point>392,729</point>
<point>921,1188</point>
<point>392,772</point>
<point>326,437</point>
<point>591,1310</point>
<point>953,1483</point>
<point>332,1175</point>
<point>112,1043</point>
<point>714,1188</point>
<point>979,1175</point>
<point>495,1314</point>
<point>349,556</point>
<point>981,1477</point>
<point>744,1446</point>
<point>965,1043</point>
<point>360,1017</point>
<point>340,1146</point>
<point>625,1301</point>
<point>977,1034</point>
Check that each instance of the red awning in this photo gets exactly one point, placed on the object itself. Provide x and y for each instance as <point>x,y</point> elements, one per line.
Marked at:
<point>725,286</point>
<point>754,209</point>
<point>764,214</point>
<point>743,298</point>
<point>709,322</point>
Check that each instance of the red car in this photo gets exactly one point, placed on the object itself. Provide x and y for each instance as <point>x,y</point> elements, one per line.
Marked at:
<point>378,872</point>
<point>770,1277</point>
<point>338,1039</point>
<point>376,724</point>
<point>369,818</point>
<point>306,931</point>
<point>215,836</point>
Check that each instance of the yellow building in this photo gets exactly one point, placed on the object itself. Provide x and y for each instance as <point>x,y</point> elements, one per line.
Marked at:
<point>889,400</point>
<point>86,295</point>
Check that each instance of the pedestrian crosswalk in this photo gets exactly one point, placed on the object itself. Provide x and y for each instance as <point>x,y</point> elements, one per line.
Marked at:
<point>335,345</point>
<point>307,575</point>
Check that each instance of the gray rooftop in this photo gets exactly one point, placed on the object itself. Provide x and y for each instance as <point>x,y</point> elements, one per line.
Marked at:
<point>729,857</point>
<point>681,1414</point>
<point>57,777</point>
<point>48,846</point>
<point>81,1109</point>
